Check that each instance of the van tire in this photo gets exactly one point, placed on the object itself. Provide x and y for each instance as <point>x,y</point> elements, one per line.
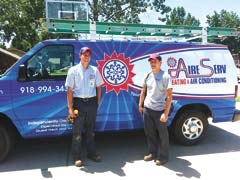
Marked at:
<point>6,142</point>
<point>190,127</point>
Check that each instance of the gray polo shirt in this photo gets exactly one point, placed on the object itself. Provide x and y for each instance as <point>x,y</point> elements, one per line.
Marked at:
<point>83,81</point>
<point>156,84</point>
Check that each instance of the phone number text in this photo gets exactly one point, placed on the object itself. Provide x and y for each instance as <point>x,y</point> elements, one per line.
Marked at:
<point>41,89</point>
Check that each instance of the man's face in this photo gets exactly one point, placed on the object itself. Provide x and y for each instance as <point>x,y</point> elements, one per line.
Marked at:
<point>85,57</point>
<point>155,64</point>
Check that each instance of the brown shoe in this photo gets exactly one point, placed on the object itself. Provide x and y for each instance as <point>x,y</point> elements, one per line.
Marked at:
<point>148,157</point>
<point>78,163</point>
<point>160,162</point>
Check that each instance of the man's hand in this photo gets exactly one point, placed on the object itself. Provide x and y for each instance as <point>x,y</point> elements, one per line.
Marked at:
<point>163,118</point>
<point>72,115</point>
<point>70,119</point>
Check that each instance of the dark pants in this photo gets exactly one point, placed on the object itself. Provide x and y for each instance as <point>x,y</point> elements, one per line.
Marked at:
<point>156,133</point>
<point>84,123</point>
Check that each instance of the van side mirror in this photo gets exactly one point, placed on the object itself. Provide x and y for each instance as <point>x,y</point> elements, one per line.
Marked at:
<point>22,75</point>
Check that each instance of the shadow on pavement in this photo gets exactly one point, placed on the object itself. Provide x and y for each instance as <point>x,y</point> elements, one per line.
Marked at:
<point>117,150</point>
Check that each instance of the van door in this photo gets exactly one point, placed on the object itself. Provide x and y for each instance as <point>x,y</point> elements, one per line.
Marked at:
<point>40,101</point>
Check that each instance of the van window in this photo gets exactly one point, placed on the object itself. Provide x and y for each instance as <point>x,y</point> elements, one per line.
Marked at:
<point>51,62</point>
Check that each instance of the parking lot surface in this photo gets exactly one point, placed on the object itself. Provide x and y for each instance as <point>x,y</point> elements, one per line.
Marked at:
<point>217,157</point>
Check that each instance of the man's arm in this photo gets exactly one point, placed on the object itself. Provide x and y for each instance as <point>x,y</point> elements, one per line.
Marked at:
<point>142,98</point>
<point>99,93</point>
<point>168,101</point>
<point>70,101</point>
<point>164,116</point>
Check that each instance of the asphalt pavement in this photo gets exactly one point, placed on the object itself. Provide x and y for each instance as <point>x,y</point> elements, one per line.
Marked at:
<point>217,157</point>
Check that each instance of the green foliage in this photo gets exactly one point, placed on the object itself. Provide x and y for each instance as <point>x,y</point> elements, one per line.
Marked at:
<point>2,46</point>
<point>223,19</point>
<point>238,99</point>
<point>21,17</point>
<point>178,16</point>
<point>124,11</point>
<point>227,20</point>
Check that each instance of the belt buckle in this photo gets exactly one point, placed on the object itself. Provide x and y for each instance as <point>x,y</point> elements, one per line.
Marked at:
<point>85,99</point>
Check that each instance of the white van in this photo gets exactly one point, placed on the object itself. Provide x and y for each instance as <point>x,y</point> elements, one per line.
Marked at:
<point>33,95</point>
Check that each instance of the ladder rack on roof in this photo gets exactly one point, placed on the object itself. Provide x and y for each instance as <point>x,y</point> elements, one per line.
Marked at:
<point>77,26</point>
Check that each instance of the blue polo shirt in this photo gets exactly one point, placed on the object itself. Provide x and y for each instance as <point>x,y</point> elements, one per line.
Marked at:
<point>156,84</point>
<point>83,81</point>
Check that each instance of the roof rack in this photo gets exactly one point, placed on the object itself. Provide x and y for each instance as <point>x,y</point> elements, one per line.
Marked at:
<point>108,28</point>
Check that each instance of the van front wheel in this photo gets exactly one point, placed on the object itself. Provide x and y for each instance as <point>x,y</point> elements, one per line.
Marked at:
<point>6,142</point>
<point>190,127</point>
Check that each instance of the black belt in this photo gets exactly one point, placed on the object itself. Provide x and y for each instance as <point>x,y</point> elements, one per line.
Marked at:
<point>86,99</point>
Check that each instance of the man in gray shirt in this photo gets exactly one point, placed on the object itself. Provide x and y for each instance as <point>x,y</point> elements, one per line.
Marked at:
<point>155,102</point>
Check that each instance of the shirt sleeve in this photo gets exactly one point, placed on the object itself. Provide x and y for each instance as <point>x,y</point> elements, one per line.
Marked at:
<point>99,80</point>
<point>168,81</point>
<point>70,78</point>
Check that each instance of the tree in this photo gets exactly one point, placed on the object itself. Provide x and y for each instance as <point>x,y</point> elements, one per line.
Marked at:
<point>158,6</point>
<point>178,16</point>
<point>23,16</point>
<point>124,11</point>
<point>227,20</point>
<point>223,19</point>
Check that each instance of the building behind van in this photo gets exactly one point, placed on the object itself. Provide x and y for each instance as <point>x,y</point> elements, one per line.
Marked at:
<point>33,94</point>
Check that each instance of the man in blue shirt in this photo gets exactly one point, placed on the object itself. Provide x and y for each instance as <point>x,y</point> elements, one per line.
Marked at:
<point>83,84</point>
<point>155,102</point>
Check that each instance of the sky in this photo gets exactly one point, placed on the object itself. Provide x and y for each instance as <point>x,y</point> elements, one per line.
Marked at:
<point>197,8</point>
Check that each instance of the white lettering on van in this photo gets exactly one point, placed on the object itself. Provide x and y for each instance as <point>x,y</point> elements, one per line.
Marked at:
<point>41,89</point>
<point>49,125</point>
<point>135,94</point>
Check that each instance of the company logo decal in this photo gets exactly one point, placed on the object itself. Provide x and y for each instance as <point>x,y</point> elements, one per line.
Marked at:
<point>199,73</point>
<point>116,71</point>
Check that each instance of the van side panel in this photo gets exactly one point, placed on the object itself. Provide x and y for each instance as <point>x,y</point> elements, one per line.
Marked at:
<point>201,74</point>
